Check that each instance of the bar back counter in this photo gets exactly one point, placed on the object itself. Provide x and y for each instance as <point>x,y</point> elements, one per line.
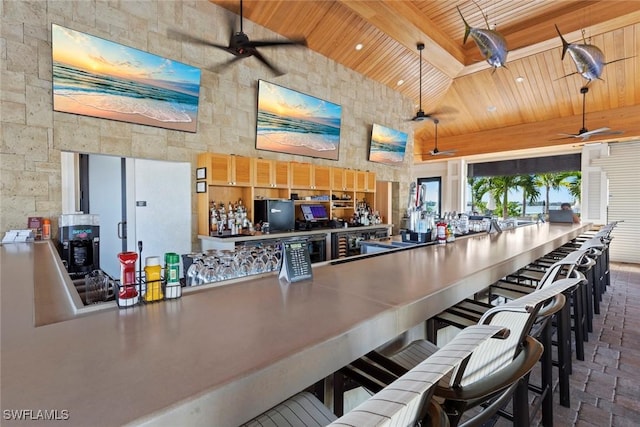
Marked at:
<point>220,356</point>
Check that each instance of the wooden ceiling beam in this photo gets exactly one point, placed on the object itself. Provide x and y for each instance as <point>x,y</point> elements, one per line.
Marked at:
<point>531,135</point>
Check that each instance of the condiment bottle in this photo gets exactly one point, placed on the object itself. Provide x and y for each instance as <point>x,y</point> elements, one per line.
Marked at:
<point>172,275</point>
<point>127,294</point>
<point>450,234</point>
<point>152,272</point>
<point>442,236</point>
<point>46,229</point>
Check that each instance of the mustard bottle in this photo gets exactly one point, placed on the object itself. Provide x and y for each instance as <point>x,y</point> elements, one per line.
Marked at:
<point>152,271</point>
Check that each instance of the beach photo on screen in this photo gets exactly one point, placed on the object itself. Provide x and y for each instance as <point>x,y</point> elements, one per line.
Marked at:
<point>295,123</point>
<point>99,78</point>
<point>387,145</point>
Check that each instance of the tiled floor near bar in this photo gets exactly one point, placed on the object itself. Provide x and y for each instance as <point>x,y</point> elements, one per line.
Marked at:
<point>605,388</point>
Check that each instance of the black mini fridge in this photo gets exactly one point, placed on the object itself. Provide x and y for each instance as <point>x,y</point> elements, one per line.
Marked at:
<point>279,213</point>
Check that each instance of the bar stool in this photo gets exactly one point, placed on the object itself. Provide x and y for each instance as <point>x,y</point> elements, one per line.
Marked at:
<point>406,401</point>
<point>534,274</point>
<point>597,249</point>
<point>586,267</point>
<point>490,367</point>
<point>469,311</point>
<point>600,239</point>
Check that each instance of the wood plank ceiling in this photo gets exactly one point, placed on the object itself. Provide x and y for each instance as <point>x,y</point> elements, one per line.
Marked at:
<point>479,110</point>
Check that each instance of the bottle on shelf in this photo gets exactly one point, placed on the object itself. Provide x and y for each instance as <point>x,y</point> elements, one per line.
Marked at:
<point>213,219</point>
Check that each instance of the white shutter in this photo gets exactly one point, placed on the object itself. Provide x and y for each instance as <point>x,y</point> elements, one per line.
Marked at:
<point>453,199</point>
<point>622,168</point>
<point>594,185</point>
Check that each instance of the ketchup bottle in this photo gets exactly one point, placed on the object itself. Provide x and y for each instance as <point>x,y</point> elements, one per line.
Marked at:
<point>128,294</point>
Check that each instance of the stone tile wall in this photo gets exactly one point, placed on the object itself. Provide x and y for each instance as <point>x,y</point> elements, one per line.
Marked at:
<point>33,135</point>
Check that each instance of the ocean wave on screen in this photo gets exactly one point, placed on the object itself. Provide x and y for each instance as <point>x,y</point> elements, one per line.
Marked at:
<point>310,141</point>
<point>153,109</point>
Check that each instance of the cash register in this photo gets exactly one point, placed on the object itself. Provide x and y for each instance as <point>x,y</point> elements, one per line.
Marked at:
<point>315,216</point>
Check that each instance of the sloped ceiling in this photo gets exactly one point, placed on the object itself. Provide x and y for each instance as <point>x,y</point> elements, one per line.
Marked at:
<point>480,110</point>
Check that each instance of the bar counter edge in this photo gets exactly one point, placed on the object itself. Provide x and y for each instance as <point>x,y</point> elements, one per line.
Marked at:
<point>223,355</point>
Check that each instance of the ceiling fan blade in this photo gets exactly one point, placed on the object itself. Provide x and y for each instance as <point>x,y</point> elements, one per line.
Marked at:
<point>569,135</point>
<point>220,67</point>
<point>584,136</point>
<point>179,36</point>
<point>605,131</point>
<point>175,35</point>
<point>267,63</point>
<point>266,43</point>
<point>442,153</point>
<point>595,131</point>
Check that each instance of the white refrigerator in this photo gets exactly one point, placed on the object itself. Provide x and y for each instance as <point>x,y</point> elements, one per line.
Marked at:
<point>140,200</point>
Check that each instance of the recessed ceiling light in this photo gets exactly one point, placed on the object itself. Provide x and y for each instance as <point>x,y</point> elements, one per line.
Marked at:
<point>400,82</point>
<point>359,46</point>
<point>519,79</point>
<point>491,108</point>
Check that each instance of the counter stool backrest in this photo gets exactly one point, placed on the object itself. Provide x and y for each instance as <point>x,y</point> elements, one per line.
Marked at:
<point>404,402</point>
<point>563,267</point>
<point>519,316</point>
<point>593,243</point>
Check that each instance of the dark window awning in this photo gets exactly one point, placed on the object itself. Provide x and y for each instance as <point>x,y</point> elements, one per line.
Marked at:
<point>532,165</point>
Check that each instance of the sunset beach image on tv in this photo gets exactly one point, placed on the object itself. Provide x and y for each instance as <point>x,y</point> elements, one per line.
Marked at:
<point>98,78</point>
<point>387,145</point>
<point>294,123</point>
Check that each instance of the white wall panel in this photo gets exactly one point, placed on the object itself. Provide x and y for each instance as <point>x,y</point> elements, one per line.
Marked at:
<point>594,184</point>
<point>622,168</point>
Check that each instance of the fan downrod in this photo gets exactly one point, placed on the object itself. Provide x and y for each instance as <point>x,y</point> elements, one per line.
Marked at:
<point>435,147</point>
<point>583,91</point>
<point>420,115</point>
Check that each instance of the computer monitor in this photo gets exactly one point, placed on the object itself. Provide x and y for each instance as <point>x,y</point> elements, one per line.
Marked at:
<point>314,212</point>
<point>560,216</point>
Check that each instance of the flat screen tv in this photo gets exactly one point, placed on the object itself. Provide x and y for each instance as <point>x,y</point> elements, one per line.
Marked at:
<point>387,145</point>
<point>295,123</point>
<point>99,78</point>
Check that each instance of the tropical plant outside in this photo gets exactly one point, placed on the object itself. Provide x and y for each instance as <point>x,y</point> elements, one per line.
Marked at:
<point>532,187</point>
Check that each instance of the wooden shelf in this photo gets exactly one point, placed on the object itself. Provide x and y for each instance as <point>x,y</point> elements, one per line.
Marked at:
<point>231,177</point>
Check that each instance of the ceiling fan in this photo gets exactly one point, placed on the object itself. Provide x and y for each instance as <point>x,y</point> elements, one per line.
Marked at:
<point>241,47</point>
<point>435,151</point>
<point>420,115</point>
<point>585,134</point>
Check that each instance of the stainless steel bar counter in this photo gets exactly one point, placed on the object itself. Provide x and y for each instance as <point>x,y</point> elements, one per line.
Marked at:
<point>220,356</point>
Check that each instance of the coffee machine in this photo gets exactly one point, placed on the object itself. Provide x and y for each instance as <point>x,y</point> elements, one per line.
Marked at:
<point>79,238</point>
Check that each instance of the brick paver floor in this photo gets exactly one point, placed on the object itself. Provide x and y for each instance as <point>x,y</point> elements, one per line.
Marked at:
<point>605,387</point>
